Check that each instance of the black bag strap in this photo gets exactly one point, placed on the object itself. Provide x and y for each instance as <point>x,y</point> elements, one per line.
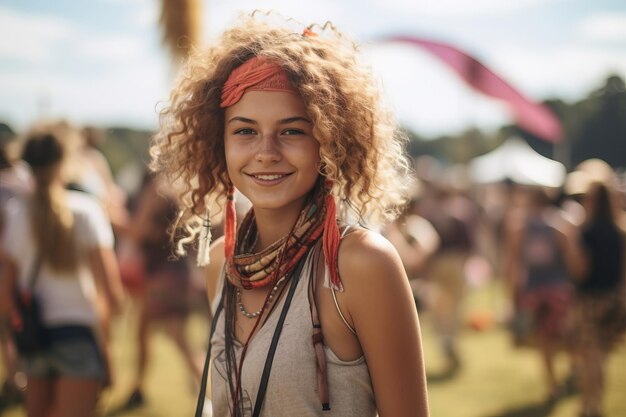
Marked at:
<point>207,361</point>
<point>272,350</point>
<point>270,354</point>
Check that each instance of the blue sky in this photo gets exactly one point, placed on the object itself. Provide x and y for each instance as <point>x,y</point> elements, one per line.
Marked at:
<point>101,62</point>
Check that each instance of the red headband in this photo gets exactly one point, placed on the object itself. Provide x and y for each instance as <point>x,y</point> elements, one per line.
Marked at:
<point>257,73</point>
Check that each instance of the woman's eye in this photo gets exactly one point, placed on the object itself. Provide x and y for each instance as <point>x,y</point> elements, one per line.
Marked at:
<point>289,132</point>
<point>244,131</point>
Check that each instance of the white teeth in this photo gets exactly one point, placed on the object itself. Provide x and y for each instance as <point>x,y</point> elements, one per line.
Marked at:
<point>268,177</point>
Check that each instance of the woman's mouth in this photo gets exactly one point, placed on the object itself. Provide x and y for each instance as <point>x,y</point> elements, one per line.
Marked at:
<point>269,178</point>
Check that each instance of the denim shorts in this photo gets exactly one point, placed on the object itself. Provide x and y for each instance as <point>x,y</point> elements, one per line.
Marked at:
<point>72,352</point>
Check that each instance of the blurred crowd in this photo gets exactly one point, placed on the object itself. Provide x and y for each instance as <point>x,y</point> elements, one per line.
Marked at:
<point>559,251</point>
<point>90,250</point>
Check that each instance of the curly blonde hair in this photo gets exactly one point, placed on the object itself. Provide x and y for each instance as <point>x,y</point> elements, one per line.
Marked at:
<point>361,149</point>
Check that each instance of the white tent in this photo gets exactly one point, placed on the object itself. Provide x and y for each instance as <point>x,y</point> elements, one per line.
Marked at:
<point>516,161</point>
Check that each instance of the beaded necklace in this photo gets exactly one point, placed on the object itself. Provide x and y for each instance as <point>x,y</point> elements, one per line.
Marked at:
<point>255,314</point>
<point>248,270</point>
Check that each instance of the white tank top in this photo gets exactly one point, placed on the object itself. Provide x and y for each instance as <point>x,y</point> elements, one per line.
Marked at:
<point>292,385</point>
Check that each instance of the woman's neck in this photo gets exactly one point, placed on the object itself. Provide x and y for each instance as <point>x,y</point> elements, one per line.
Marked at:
<point>275,223</point>
<point>272,226</point>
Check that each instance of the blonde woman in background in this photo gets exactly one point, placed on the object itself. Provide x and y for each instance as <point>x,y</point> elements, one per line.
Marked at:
<point>68,235</point>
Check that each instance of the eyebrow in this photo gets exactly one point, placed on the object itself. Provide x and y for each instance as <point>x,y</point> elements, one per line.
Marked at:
<point>282,121</point>
<point>293,119</point>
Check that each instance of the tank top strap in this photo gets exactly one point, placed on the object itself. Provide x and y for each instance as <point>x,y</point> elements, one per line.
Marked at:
<point>347,229</point>
<point>343,318</point>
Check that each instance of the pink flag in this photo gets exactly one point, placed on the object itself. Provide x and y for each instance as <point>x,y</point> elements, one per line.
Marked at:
<point>534,117</point>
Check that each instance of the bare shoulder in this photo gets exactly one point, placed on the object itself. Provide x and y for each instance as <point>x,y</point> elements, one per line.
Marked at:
<point>382,311</point>
<point>363,248</point>
<point>367,258</point>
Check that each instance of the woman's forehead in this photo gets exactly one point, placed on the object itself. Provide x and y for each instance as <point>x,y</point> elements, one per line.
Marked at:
<point>267,104</point>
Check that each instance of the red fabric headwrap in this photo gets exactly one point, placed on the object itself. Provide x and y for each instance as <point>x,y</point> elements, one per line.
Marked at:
<point>257,73</point>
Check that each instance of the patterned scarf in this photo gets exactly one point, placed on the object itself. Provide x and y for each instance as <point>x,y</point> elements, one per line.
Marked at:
<point>250,270</point>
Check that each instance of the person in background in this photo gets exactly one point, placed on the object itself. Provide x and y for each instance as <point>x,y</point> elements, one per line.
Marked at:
<point>15,182</point>
<point>89,171</point>
<point>416,241</point>
<point>445,209</point>
<point>166,290</point>
<point>541,258</point>
<point>63,239</point>
<point>599,302</point>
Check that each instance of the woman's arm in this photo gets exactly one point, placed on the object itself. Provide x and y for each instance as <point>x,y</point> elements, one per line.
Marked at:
<point>110,294</point>
<point>103,263</point>
<point>570,240</point>
<point>381,307</point>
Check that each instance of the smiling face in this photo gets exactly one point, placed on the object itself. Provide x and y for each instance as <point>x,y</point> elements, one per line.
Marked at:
<point>271,154</point>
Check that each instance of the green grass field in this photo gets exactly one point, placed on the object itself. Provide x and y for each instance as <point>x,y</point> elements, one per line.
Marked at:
<point>495,379</point>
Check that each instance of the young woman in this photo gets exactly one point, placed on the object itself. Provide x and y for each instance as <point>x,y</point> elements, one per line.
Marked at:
<point>15,182</point>
<point>64,240</point>
<point>295,123</point>
<point>165,299</point>
<point>599,305</point>
<point>541,259</point>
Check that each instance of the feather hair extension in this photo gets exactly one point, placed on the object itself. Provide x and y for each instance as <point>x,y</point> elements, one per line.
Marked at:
<point>204,241</point>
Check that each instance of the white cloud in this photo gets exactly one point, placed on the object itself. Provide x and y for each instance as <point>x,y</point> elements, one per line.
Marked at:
<point>31,38</point>
<point>127,2</point>
<point>146,15</point>
<point>604,27</point>
<point>111,48</point>
<point>123,96</point>
<point>451,8</point>
<point>221,15</point>
<point>143,13</point>
<point>37,41</point>
<point>126,96</point>
<point>427,96</point>
<point>569,72</point>
<point>87,76</point>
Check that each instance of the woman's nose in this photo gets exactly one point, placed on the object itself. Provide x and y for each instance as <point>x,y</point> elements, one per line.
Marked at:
<point>268,149</point>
